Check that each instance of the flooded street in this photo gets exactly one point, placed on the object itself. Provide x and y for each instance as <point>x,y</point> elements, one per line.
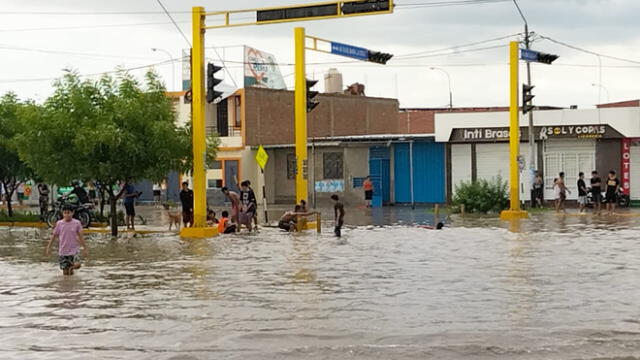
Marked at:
<point>562,288</point>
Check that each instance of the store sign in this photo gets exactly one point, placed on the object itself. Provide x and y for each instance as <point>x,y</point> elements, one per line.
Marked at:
<point>626,166</point>
<point>501,134</point>
<point>577,131</point>
<point>482,134</point>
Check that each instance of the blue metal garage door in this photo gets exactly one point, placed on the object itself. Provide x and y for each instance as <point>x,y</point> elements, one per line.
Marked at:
<point>428,173</point>
<point>380,172</point>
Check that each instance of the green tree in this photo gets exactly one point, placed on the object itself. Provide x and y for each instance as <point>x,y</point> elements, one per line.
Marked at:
<point>107,130</point>
<point>13,171</point>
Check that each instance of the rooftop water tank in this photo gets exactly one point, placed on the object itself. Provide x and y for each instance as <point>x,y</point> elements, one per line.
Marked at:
<point>333,81</point>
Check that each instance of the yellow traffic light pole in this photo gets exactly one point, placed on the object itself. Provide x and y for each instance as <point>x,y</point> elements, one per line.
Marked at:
<point>199,15</point>
<point>199,228</point>
<point>300,121</point>
<point>514,211</point>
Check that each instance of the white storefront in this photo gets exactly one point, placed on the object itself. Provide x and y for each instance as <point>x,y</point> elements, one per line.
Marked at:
<point>570,156</point>
<point>571,141</point>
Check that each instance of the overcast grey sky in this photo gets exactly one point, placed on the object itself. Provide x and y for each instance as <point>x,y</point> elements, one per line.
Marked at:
<point>38,38</point>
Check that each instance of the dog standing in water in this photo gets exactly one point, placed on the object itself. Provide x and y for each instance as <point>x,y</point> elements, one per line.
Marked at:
<point>174,219</point>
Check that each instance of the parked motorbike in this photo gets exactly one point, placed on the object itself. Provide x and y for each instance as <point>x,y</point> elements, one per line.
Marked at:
<point>623,199</point>
<point>81,212</point>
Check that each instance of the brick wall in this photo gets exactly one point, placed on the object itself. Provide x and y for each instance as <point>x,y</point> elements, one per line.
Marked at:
<point>269,116</point>
<point>629,103</point>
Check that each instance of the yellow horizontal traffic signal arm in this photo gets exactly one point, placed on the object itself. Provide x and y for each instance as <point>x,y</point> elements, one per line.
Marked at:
<point>314,44</point>
<point>339,13</point>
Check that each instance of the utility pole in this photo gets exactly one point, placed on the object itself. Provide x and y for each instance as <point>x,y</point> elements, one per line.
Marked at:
<point>532,140</point>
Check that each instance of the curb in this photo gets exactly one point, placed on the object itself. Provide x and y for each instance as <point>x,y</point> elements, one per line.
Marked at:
<point>23,224</point>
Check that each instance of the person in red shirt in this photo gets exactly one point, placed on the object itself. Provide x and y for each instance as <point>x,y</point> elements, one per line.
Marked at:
<point>368,191</point>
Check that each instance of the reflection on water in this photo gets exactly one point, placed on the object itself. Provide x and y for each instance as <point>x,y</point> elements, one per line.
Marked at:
<point>560,288</point>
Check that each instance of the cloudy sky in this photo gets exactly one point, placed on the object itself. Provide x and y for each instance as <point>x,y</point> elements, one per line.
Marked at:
<point>39,38</point>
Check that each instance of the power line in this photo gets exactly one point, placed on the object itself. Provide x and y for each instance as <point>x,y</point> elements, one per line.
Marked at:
<point>84,13</point>
<point>589,51</point>
<point>84,27</point>
<point>446,4</point>
<point>5,81</point>
<point>168,13</point>
<point>174,22</point>
<point>63,52</point>
<point>456,47</point>
<point>453,53</point>
<point>355,64</point>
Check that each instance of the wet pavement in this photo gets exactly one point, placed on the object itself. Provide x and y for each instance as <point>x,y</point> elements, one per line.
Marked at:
<point>554,287</point>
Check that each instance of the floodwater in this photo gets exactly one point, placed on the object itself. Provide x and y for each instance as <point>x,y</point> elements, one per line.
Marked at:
<point>561,288</point>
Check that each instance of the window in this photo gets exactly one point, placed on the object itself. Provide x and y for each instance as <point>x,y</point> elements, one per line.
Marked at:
<point>215,165</point>
<point>214,183</point>
<point>291,166</point>
<point>332,164</point>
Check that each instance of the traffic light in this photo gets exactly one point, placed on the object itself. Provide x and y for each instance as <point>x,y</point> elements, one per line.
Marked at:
<point>379,57</point>
<point>311,94</point>
<point>321,10</point>
<point>357,7</point>
<point>212,94</point>
<point>527,97</point>
<point>546,58</point>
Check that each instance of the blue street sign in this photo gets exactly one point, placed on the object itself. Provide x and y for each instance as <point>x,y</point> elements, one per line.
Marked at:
<point>349,51</point>
<point>529,55</point>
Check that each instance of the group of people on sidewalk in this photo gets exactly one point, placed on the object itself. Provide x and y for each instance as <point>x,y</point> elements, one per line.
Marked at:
<point>244,206</point>
<point>243,209</point>
<point>560,191</point>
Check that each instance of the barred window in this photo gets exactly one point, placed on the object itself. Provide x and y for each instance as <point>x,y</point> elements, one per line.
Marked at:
<point>291,166</point>
<point>332,165</point>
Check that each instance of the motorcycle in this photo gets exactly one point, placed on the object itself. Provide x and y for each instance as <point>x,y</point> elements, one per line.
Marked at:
<point>623,199</point>
<point>81,212</point>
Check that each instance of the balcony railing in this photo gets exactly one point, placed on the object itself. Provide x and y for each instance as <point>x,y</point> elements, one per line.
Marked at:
<point>226,131</point>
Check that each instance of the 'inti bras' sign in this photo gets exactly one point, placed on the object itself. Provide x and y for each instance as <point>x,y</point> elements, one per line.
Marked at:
<point>501,134</point>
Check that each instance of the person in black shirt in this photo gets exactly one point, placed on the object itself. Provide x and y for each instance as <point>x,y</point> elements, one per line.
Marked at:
<point>43,200</point>
<point>248,201</point>
<point>255,203</point>
<point>186,198</point>
<point>596,192</point>
<point>338,211</point>
<point>613,185</point>
<point>82,195</point>
<point>582,192</point>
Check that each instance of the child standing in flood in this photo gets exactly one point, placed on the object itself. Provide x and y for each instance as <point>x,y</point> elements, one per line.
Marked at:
<point>69,233</point>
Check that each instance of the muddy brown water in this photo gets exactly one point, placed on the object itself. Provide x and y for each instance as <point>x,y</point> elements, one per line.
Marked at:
<point>561,288</point>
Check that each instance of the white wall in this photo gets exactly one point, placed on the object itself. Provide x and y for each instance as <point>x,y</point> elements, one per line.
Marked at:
<point>625,120</point>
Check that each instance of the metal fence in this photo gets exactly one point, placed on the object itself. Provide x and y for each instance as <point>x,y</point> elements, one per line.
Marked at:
<point>225,131</point>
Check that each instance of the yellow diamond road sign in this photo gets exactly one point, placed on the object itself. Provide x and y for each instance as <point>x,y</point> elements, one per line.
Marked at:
<point>262,157</point>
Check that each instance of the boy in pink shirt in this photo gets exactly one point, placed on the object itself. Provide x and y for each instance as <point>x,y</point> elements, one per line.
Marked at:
<point>69,232</point>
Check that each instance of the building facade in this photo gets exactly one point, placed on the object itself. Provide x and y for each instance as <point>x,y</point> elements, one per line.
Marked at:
<point>567,140</point>
<point>350,137</point>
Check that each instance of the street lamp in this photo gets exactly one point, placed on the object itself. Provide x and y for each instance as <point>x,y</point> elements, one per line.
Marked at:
<point>173,68</point>
<point>605,90</point>
<point>449,81</point>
